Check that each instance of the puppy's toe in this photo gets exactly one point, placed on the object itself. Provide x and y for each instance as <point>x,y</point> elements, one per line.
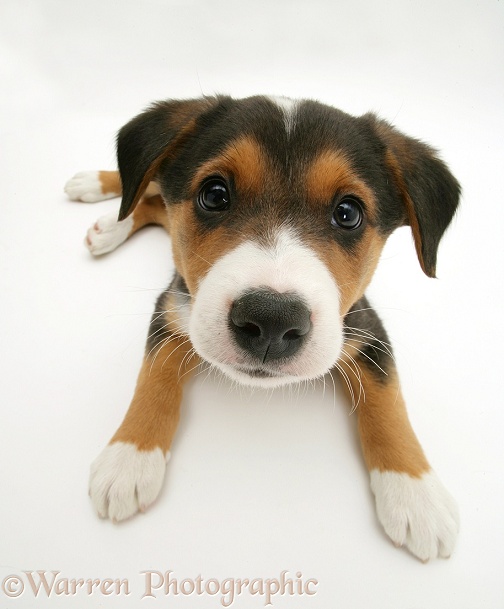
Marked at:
<point>107,233</point>
<point>125,480</point>
<point>418,513</point>
<point>86,186</point>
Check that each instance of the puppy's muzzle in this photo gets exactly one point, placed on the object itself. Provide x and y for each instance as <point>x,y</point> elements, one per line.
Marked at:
<point>269,325</point>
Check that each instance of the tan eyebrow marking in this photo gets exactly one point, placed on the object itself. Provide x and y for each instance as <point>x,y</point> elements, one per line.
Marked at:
<point>331,172</point>
<point>243,158</point>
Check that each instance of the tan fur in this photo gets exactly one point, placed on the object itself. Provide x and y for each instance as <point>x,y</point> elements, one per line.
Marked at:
<point>152,190</point>
<point>153,415</point>
<point>110,182</point>
<point>352,271</point>
<point>149,210</point>
<point>387,438</point>
<point>183,111</point>
<point>331,173</point>
<point>243,159</point>
<point>398,149</point>
<point>195,251</point>
<point>393,165</point>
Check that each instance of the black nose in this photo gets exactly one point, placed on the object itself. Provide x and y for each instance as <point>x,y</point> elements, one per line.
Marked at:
<point>269,325</point>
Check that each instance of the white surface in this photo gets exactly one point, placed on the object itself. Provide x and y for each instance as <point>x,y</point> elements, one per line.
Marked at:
<point>258,483</point>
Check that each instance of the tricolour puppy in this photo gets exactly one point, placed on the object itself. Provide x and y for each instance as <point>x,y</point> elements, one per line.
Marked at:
<point>278,211</point>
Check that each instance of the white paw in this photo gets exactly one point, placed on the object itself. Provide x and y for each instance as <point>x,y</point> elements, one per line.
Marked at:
<point>125,480</point>
<point>107,233</point>
<point>416,512</point>
<point>86,186</point>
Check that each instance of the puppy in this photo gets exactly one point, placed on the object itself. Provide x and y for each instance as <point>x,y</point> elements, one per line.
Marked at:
<point>277,211</point>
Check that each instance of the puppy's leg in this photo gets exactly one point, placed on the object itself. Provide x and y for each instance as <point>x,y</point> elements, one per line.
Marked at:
<point>127,476</point>
<point>93,186</point>
<point>108,232</point>
<point>412,505</point>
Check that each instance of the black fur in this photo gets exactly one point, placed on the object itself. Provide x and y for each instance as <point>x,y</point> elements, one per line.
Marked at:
<point>363,325</point>
<point>158,330</point>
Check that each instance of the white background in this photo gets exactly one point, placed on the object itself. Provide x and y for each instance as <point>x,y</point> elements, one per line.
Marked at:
<point>258,483</point>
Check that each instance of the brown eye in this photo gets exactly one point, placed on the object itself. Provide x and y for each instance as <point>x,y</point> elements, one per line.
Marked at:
<point>347,214</point>
<point>214,195</point>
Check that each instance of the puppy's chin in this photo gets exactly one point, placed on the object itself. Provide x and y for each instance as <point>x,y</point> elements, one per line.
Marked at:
<point>259,376</point>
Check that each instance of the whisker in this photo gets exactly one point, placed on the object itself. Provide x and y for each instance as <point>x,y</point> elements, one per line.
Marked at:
<point>163,344</point>
<point>347,381</point>
<point>358,311</point>
<point>372,361</point>
<point>172,352</point>
<point>334,389</point>
<point>371,309</point>
<point>366,333</point>
<point>206,367</point>
<point>204,259</point>
<point>180,319</point>
<point>160,346</point>
<point>363,342</point>
<point>355,369</point>
<point>193,368</point>
<point>183,360</point>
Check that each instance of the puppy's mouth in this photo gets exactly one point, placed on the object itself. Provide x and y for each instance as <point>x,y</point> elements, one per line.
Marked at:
<point>257,373</point>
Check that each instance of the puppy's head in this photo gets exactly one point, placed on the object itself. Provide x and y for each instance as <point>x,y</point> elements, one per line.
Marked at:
<point>278,212</point>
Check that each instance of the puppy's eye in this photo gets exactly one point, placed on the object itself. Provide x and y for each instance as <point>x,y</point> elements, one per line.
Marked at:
<point>347,214</point>
<point>214,195</point>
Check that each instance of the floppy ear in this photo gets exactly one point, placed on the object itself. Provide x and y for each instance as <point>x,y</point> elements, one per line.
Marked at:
<point>148,139</point>
<point>429,192</point>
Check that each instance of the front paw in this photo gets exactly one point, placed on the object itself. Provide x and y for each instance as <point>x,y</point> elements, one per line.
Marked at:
<point>125,480</point>
<point>416,512</point>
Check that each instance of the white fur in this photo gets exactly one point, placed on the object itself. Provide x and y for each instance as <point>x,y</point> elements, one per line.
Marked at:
<point>416,512</point>
<point>289,108</point>
<point>107,233</point>
<point>287,265</point>
<point>125,480</point>
<point>86,186</point>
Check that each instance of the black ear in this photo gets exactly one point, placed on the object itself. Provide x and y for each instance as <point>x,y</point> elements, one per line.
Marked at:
<point>429,192</point>
<point>148,139</point>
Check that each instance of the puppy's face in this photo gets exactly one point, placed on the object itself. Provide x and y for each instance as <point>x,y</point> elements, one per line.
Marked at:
<point>278,212</point>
